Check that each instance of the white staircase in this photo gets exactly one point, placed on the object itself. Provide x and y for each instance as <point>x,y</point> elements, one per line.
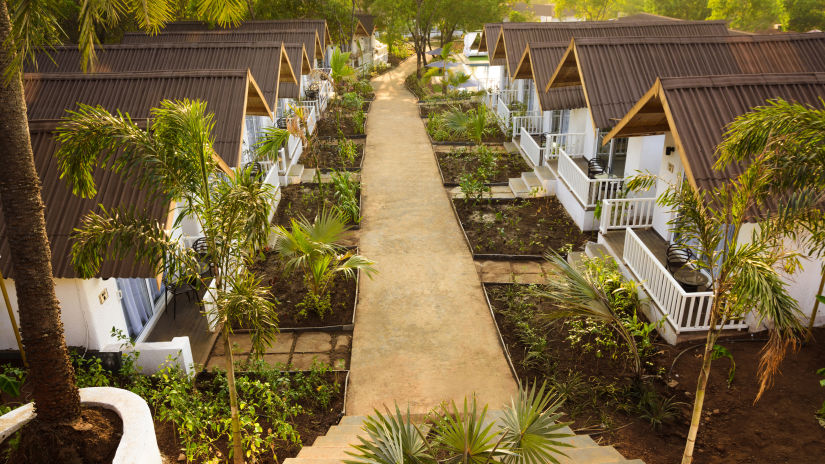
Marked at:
<point>529,185</point>
<point>332,447</point>
<point>294,174</point>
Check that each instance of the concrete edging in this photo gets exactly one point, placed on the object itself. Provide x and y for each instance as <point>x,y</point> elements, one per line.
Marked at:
<point>137,445</point>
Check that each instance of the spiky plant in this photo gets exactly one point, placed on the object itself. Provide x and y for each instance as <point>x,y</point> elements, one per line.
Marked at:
<point>474,124</point>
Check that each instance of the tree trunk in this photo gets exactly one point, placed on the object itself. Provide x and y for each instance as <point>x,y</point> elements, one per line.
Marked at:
<point>237,448</point>
<point>51,375</point>
<point>701,386</point>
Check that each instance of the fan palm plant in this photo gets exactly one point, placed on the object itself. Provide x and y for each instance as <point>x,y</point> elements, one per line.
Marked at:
<point>528,432</point>
<point>474,124</point>
<point>580,293</point>
<point>340,69</point>
<point>174,161</point>
<point>314,250</point>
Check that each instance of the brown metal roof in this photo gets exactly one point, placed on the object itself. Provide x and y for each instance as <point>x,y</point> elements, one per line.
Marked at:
<point>487,42</point>
<point>616,73</point>
<point>538,63</point>
<point>230,95</point>
<point>307,37</point>
<point>64,211</point>
<point>697,110</point>
<point>320,26</point>
<point>301,64</point>
<point>267,61</point>
<point>515,36</point>
<point>367,21</point>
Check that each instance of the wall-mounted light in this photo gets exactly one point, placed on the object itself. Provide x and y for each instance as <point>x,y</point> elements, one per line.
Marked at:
<point>669,150</point>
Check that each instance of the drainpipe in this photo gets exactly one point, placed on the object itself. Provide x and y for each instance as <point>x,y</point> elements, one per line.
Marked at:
<point>14,322</point>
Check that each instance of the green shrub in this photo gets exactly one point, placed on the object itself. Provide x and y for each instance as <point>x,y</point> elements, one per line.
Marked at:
<point>352,101</point>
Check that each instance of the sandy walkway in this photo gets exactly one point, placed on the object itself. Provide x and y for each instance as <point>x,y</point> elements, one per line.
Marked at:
<point>423,333</point>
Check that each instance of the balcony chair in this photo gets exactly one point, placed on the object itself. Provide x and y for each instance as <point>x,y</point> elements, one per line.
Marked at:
<point>594,168</point>
<point>257,170</point>
<point>180,288</point>
<point>677,257</point>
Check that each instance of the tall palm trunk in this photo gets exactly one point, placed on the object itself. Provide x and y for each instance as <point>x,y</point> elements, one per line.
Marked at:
<point>237,447</point>
<point>55,394</point>
<point>702,383</point>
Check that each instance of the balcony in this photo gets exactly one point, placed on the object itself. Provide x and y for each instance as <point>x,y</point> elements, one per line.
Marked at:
<point>644,253</point>
<point>589,191</point>
<point>543,149</point>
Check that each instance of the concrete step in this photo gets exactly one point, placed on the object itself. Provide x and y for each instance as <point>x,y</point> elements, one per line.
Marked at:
<point>534,184</point>
<point>337,440</point>
<point>592,455</point>
<point>314,460</point>
<point>352,420</point>
<point>324,452</point>
<point>596,250</point>
<point>294,174</point>
<point>575,258</point>
<point>519,187</point>
<point>545,174</point>
<point>511,147</point>
<point>345,429</point>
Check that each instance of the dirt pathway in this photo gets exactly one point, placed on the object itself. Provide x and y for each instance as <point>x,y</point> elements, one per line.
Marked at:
<point>423,332</point>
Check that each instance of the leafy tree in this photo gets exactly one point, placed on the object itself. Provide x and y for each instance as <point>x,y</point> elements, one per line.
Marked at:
<point>683,9</point>
<point>338,13</point>
<point>749,15</point>
<point>467,15</point>
<point>414,17</point>
<point>805,15</point>
<point>521,17</point>
<point>590,10</point>
<point>174,160</point>
<point>746,276</point>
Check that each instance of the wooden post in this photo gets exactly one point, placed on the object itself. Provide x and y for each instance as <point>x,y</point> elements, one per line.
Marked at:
<point>13,320</point>
<point>816,307</point>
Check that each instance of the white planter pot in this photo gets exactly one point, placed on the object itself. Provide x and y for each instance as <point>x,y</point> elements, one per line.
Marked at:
<point>137,445</point>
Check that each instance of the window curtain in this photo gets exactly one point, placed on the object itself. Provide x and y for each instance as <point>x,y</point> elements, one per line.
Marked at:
<point>137,304</point>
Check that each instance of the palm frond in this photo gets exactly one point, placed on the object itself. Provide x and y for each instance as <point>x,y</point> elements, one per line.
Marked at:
<point>271,140</point>
<point>247,302</point>
<point>467,434</point>
<point>225,13</point>
<point>391,439</point>
<point>34,27</point>
<point>531,429</point>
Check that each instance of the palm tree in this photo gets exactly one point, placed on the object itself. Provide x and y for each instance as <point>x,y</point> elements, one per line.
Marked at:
<point>581,293</point>
<point>745,277</point>
<point>527,433</point>
<point>313,249</point>
<point>174,159</point>
<point>35,27</point>
<point>340,69</point>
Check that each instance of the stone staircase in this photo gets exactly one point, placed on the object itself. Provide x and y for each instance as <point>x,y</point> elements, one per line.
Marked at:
<point>531,185</point>
<point>332,447</point>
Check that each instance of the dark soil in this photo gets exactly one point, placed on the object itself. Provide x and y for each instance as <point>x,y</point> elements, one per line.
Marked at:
<point>93,440</point>
<point>289,291</point>
<point>431,108</point>
<point>313,423</point>
<point>519,226</point>
<point>328,159</point>
<point>780,428</point>
<point>462,161</point>
<point>302,200</point>
<point>329,125</point>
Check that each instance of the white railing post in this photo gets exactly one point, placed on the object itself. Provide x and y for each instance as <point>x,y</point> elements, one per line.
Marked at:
<point>503,113</point>
<point>621,213</point>
<point>530,147</point>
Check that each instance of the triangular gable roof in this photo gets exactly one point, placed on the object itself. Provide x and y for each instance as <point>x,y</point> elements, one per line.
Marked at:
<point>514,37</point>
<point>696,110</point>
<point>320,26</point>
<point>616,73</point>
<point>365,24</point>
<point>309,37</point>
<point>487,42</point>
<point>297,55</point>
<point>268,61</point>
<point>538,63</point>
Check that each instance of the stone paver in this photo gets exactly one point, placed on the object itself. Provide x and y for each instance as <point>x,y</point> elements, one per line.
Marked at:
<point>304,361</point>
<point>506,272</point>
<point>423,332</point>
<point>282,344</point>
<point>313,343</point>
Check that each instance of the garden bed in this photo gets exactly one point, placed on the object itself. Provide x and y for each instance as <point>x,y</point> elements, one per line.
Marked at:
<point>518,226</point>
<point>289,290</point>
<point>303,200</point>
<point>457,162</point>
<point>601,398</point>
<point>425,109</point>
<point>330,158</point>
<point>313,421</point>
<point>328,126</point>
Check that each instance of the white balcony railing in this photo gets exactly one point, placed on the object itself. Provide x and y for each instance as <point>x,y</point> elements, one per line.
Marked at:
<point>588,191</point>
<point>572,143</point>
<point>503,114</point>
<point>623,213</point>
<point>530,147</point>
<point>531,121</point>
<point>686,311</point>
<point>311,114</point>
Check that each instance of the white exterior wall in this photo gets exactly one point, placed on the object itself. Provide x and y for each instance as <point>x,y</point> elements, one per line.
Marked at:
<point>670,172</point>
<point>801,285</point>
<point>86,321</point>
<point>580,123</point>
<point>644,155</point>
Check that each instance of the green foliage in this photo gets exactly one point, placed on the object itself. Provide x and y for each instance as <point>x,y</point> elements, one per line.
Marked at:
<point>347,151</point>
<point>352,101</point>
<point>413,84</point>
<point>364,89</point>
<point>821,413</point>
<point>805,15</point>
<point>590,10</point>
<point>339,66</point>
<point>749,15</point>
<point>346,196</point>
<point>719,352</point>
<point>656,409</point>
<point>528,433</point>
<point>11,379</point>
<point>475,183</point>
<point>457,125</point>
<point>599,294</point>
<point>314,250</point>
<point>358,120</point>
<point>683,9</point>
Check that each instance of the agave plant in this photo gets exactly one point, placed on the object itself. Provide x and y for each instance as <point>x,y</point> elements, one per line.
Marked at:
<point>314,249</point>
<point>526,433</point>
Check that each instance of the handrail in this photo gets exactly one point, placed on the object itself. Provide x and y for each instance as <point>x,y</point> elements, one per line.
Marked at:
<point>588,191</point>
<point>530,147</point>
<point>621,213</point>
